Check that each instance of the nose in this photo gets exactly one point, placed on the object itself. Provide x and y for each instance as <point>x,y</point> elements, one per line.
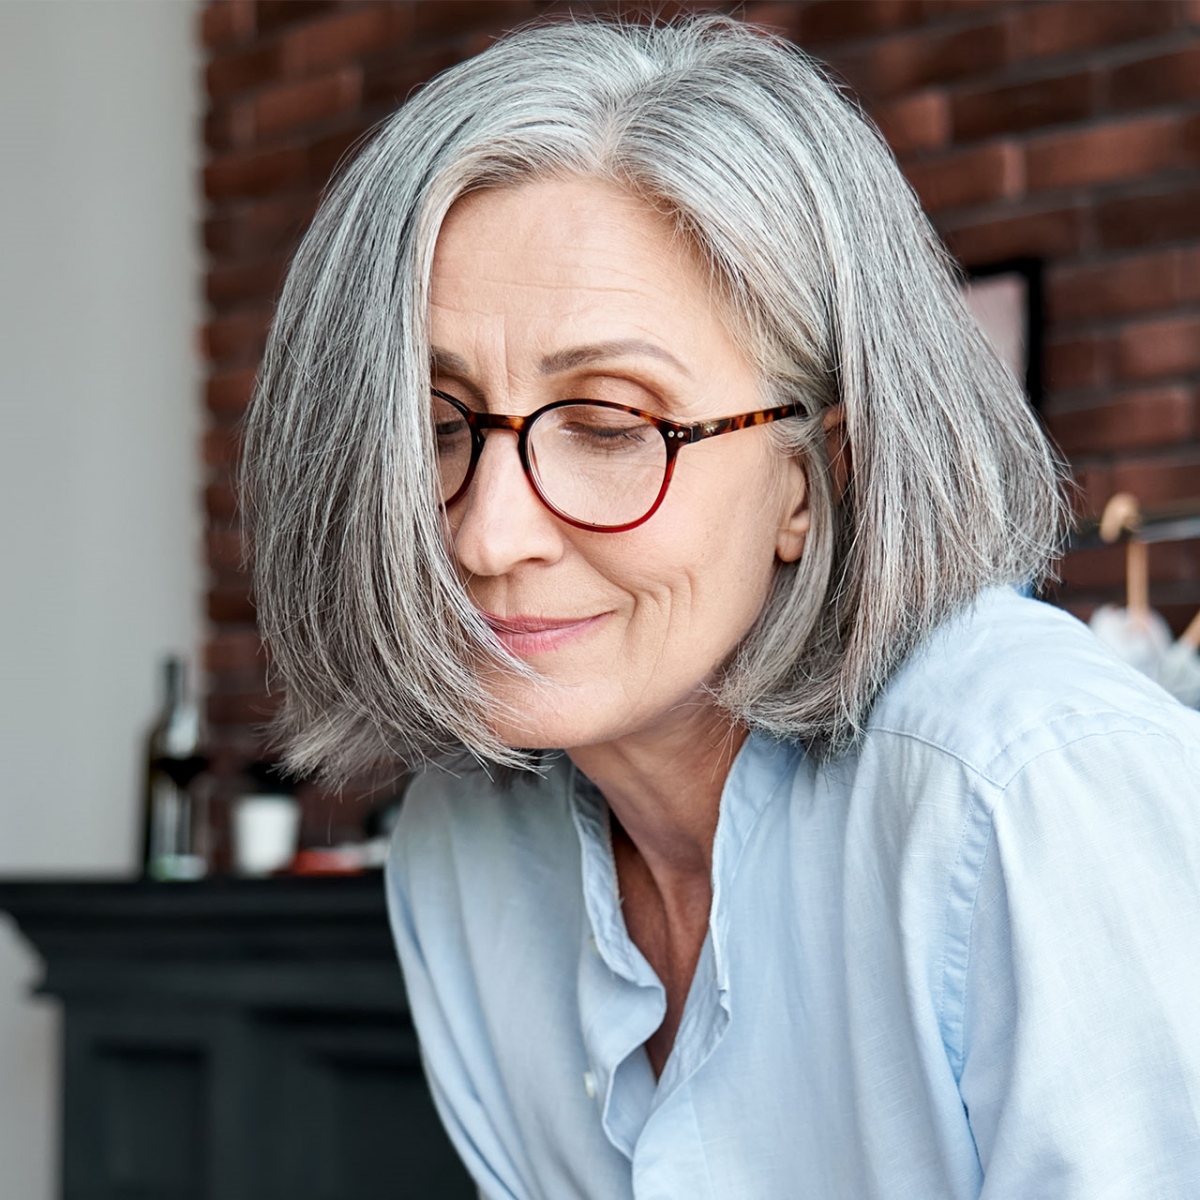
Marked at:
<point>500,523</point>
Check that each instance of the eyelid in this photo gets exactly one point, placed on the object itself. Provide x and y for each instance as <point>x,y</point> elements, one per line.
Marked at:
<point>652,394</point>
<point>451,384</point>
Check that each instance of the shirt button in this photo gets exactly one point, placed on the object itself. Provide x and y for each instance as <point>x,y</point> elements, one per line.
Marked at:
<point>589,1084</point>
<point>592,943</point>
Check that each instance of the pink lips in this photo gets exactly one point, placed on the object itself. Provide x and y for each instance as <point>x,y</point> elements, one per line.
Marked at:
<point>526,635</point>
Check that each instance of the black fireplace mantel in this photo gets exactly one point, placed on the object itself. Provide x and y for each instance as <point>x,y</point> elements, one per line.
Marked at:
<point>234,1039</point>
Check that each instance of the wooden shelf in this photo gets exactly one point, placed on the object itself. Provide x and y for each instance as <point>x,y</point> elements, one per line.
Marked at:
<point>234,1039</point>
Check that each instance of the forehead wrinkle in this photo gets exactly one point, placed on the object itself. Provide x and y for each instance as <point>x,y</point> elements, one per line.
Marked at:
<point>573,357</point>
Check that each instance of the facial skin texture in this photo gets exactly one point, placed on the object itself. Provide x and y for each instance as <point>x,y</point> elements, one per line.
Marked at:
<point>524,274</point>
<point>523,278</point>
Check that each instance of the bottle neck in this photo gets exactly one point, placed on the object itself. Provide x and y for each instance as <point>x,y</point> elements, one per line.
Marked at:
<point>181,717</point>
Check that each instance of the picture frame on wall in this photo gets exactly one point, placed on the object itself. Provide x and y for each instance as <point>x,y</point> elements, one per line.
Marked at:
<point>1006,299</point>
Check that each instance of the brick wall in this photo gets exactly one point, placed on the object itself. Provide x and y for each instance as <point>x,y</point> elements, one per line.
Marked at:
<point>1066,130</point>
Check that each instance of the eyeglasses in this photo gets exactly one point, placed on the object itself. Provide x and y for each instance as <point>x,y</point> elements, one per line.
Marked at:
<point>596,465</point>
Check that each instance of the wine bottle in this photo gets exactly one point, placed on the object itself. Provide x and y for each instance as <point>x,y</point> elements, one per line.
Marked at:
<point>172,841</point>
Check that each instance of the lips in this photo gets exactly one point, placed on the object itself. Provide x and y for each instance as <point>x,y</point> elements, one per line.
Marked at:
<point>524,635</point>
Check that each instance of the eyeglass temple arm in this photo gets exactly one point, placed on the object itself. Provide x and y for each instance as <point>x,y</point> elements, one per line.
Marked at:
<point>707,429</point>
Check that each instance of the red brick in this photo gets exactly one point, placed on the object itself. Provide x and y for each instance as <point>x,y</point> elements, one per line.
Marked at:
<point>838,21</point>
<point>1105,153</point>
<point>270,226</point>
<point>251,708</point>
<point>1095,567</point>
<point>1130,285</point>
<point>229,651</point>
<point>230,127</point>
<point>1189,274</point>
<point>220,501</point>
<point>1043,234</point>
<point>1094,487</point>
<point>1166,216</point>
<point>780,17</point>
<point>230,391</point>
<point>1104,566</point>
<point>222,447</point>
<point>1134,420</point>
<point>991,172</point>
<point>983,112</point>
<point>226,22</point>
<point>1077,362</point>
<point>1070,25</point>
<point>233,176</point>
<point>341,37</point>
<point>1158,80</point>
<point>913,60</point>
<point>918,122</point>
<point>275,14</point>
<point>956,8</point>
<point>224,548</point>
<point>450,20</point>
<point>327,157</point>
<point>295,105</point>
<point>1159,348</point>
<point>391,78</point>
<point>1175,562</point>
<point>257,281</point>
<point>229,75</point>
<point>239,337</point>
<point>1160,480</point>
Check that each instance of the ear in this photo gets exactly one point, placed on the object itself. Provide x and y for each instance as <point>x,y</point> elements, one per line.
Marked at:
<point>797,517</point>
<point>793,532</point>
<point>837,449</point>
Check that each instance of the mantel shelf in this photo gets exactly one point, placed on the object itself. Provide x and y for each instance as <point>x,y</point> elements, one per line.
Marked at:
<point>234,1039</point>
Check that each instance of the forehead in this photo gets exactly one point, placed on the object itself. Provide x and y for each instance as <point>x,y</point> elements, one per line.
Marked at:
<point>553,258</point>
<point>532,225</point>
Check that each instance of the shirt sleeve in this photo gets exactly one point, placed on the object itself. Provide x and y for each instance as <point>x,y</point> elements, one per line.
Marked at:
<point>442,1023</point>
<point>1081,1014</point>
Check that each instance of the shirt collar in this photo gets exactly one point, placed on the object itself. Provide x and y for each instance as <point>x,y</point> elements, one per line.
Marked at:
<point>762,769</point>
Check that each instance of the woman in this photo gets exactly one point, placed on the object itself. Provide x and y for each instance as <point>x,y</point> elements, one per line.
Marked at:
<point>620,402</point>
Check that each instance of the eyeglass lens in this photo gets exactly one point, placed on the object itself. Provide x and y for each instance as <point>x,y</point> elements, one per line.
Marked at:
<point>601,466</point>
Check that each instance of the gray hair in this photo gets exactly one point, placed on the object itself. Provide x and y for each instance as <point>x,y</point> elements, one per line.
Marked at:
<point>839,291</point>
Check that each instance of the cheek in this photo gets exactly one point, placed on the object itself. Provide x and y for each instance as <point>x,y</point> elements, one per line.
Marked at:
<point>703,571</point>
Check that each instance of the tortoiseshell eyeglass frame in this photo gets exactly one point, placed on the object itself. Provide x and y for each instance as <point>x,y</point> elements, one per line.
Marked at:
<point>675,435</point>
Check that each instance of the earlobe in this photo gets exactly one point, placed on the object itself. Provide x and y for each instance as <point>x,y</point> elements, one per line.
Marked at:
<point>793,531</point>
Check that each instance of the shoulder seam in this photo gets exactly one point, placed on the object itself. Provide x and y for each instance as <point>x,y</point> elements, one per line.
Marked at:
<point>1114,722</point>
<point>908,736</point>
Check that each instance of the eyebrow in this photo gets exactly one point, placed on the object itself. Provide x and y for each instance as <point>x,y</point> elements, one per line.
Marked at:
<point>582,356</point>
<point>571,358</point>
<point>448,361</point>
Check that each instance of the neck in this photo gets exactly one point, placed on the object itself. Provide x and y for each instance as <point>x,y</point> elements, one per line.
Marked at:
<point>664,790</point>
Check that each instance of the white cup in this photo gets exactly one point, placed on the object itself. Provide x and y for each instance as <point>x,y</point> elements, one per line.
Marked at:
<point>266,830</point>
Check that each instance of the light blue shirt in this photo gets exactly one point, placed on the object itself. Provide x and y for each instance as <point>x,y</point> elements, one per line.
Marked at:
<point>962,961</point>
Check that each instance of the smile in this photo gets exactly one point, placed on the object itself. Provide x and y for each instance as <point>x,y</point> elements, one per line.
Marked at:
<point>528,635</point>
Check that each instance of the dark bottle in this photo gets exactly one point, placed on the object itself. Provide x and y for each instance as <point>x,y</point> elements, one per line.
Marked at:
<point>173,824</point>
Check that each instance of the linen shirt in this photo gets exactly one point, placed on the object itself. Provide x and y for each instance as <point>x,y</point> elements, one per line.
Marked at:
<point>961,961</point>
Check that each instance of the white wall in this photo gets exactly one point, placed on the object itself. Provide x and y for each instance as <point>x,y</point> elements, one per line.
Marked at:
<point>99,487</point>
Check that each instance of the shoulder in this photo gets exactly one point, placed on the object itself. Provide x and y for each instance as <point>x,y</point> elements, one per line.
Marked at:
<point>1013,747</point>
<point>1009,681</point>
<point>463,839</point>
<point>460,818</point>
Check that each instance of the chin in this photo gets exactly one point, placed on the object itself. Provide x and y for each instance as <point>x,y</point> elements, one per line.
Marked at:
<point>557,718</point>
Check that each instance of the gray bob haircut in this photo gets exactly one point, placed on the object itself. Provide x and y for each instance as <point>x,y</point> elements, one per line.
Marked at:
<point>838,289</point>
